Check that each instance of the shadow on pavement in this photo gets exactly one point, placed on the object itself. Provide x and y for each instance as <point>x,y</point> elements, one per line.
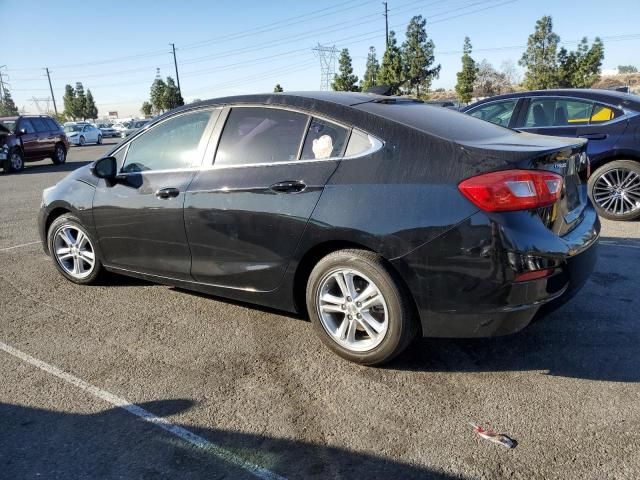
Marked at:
<point>38,443</point>
<point>595,336</point>
<point>50,167</point>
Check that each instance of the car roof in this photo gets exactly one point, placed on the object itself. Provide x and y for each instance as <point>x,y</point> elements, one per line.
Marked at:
<point>628,100</point>
<point>9,118</point>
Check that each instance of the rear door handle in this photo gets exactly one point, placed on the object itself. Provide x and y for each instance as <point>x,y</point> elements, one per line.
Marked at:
<point>167,193</point>
<point>290,186</point>
<point>594,136</point>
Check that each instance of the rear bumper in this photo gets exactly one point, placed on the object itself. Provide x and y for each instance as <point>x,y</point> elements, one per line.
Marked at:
<point>463,281</point>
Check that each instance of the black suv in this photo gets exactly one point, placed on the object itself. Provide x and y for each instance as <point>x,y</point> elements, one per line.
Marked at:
<point>29,138</point>
<point>609,120</point>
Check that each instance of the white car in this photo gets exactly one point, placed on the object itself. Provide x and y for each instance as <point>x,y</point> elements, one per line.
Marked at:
<point>79,134</point>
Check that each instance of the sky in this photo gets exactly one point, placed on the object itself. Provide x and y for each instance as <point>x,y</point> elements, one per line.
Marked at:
<point>235,47</point>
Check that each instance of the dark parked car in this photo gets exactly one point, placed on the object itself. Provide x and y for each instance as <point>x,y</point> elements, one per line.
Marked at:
<point>380,217</point>
<point>29,138</point>
<point>609,120</point>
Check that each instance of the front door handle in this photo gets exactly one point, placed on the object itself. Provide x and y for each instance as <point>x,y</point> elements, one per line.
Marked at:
<point>594,136</point>
<point>290,186</point>
<point>165,193</point>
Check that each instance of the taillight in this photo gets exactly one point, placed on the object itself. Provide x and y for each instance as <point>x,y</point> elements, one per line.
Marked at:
<point>509,190</point>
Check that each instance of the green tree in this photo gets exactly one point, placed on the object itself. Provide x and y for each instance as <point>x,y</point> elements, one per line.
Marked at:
<point>156,96</point>
<point>418,57</point>
<point>345,80</point>
<point>540,58</point>
<point>277,88</point>
<point>391,70</point>
<point>80,102</point>
<point>69,102</point>
<point>91,111</point>
<point>7,106</point>
<point>467,76</point>
<point>624,69</point>
<point>371,72</point>
<point>172,97</point>
<point>580,68</point>
<point>146,109</point>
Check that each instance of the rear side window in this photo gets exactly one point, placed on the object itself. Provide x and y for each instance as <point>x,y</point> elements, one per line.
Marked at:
<point>53,126</point>
<point>603,113</point>
<point>172,144</point>
<point>260,135</point>
<point>496,112</point>
<point>359,143</point>
<point>39,124</point>
<point>557,112</point>
<point>324,140</point>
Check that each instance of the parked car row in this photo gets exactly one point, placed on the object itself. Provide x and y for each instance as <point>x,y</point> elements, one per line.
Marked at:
<point>125,129</point>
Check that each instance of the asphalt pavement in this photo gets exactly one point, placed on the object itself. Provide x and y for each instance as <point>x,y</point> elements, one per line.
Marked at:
<point>133,380</point>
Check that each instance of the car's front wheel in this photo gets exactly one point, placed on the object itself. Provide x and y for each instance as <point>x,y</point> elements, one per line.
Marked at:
<point>99,139</point>
<point>16,161</point>
<point>614,188</point>
<point>73,250</point>
<point>81,141</point>
<point>359,307</point>
<point>59,154</point>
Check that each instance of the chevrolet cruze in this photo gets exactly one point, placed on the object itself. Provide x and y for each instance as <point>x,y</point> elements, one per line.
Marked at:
<point>380,217</point>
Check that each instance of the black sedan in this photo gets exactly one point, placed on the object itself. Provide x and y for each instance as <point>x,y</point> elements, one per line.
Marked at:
<point>609,120</point>
<point>380,217</point>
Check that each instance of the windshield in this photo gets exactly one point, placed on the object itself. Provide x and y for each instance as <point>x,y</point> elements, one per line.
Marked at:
<point>8,124</point>
<point>72,128</point>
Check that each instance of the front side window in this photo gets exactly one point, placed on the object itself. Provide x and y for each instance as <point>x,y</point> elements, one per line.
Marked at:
<point>27,126</point>
<point>557,112</point>
<point>324,140</point>
<point>496,112</point>
<point>260,135</point>
<point>172,144</point>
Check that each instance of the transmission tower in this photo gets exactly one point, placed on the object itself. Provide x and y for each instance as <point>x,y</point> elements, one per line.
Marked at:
<point>36,102</point>
<point>327,56</point>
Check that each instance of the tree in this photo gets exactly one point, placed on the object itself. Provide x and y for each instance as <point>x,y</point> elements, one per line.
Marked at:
<point>391,71</point>
<point>91,111</point>
<point>371,71</point>
<point>277,88</point>
<point>624,69</point>
<point>69,102</point>
<point>171,96</point>
<point>540,58</point>
<point>580,68</point>
<point>510,72</point>
<point>418,56</point>
<point>345,80</point>
<point>489,81</point>
<point>156,96</point>
<point>80,102</point>
<point>7,106</point>
<point>146,109</point>
<point>467,76</point>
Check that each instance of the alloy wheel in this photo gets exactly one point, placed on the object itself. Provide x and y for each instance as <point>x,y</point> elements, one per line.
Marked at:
<point>617,191</point>
<point>16,161</point>
<point>81,141</point>
<point>74,252</point>
<point>60,154</point>
<point>352,310</point>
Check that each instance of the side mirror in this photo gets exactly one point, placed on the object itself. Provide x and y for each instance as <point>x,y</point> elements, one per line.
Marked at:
<point>106,168</point>
<point>21,131</point>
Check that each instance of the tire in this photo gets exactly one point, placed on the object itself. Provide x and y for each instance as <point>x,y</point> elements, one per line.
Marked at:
<point>81,141</point>
<point>59,154</point>
<point>63,235</point>
<point>15,161</point>
<point>395,322</point>
<point>99,140</point>
<point>614,189</point>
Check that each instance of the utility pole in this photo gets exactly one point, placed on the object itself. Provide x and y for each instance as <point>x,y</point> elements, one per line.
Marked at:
<point>175,62</point>
<point>386,23</point>
<point>2,83</point>
<point>55,108</point>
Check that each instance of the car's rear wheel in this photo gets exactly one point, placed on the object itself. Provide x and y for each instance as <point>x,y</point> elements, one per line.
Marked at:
<point>359,308</point>
<point>16,161</point>
<point>81,141</point>
<point>73,250</point>
<point>59,154</point>
<point>614,189</point>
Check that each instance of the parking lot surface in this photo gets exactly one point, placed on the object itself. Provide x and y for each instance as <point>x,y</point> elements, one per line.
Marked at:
<point>246,392</point>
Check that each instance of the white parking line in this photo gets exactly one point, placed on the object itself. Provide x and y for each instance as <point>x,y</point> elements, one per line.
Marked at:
<point>189,437</point>
<point>18,246</point>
